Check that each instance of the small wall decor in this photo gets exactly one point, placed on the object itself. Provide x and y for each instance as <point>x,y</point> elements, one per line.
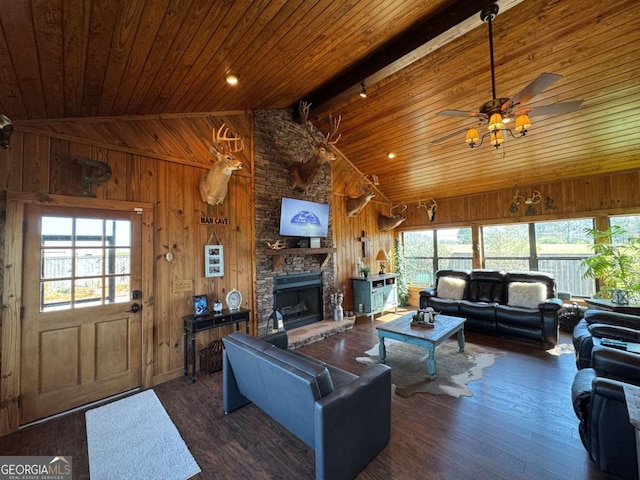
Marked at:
<point>430,209</point>
<point>93,172</point>
<point>200,305</point>
<point>213,261</point>
<point>534,199</point>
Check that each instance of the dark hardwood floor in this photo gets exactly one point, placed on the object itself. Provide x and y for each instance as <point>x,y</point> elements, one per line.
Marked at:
<point>519,424</point>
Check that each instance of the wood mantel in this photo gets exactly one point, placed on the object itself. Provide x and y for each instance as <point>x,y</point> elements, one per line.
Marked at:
<point>281,253</point>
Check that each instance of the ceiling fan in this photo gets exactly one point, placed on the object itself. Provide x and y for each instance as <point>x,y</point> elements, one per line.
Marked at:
<point>500,110</point>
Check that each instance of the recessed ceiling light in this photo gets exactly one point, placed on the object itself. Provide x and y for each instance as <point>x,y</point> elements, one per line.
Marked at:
<point>232,78</point>
<point>391,155</point>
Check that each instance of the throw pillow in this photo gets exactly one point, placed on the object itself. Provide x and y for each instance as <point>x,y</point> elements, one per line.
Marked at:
<point>451,287</point>
<point>527,295</point>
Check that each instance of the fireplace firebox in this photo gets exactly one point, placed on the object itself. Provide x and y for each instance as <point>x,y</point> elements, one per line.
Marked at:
<point>298,297</point>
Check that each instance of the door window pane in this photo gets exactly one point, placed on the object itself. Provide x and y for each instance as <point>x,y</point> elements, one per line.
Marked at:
<point>84,262</point>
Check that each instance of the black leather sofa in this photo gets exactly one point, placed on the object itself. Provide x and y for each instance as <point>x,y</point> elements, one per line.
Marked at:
<point>521,305</point>
<point>344,417</point>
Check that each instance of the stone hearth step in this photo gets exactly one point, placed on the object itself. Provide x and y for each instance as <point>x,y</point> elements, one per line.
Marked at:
<point>298,337</point>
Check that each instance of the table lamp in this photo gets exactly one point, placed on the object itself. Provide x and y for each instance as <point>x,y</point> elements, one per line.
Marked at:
<point>383,258</point>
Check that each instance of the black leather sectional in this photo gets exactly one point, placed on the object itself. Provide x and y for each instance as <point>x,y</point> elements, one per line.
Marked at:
<point>486,304</point>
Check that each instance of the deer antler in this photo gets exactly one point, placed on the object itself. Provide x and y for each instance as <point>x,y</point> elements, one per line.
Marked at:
<point>403,205</point>
<point>334,124</point>
<point>225,144</point>
<point>517,198</point>
<point>535,199</point>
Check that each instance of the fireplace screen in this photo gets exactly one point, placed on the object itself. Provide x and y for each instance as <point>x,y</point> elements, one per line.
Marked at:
<point>298,298</point>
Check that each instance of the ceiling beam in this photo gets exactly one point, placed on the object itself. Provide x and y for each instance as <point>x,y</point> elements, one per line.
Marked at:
<point>455,19</point>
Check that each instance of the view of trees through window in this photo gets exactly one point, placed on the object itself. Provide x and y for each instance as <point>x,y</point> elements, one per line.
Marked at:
<point>556,247</point>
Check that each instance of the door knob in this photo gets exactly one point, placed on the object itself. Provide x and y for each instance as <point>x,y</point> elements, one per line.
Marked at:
<point>135,307</point>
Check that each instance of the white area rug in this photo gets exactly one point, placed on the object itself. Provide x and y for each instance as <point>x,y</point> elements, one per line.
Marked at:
<point>134,438</point>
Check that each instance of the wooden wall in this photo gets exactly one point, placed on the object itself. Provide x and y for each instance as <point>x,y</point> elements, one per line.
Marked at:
<point>47,164</point>
<point>606,194</point>
<point>44,162</point>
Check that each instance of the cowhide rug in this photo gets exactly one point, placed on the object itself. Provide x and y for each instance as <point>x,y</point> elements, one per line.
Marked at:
<point>454,369</point>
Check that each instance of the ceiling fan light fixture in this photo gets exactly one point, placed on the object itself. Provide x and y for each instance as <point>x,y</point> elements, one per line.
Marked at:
<point>523,123</point>
<point>495,122</point>
<point>497,138</point>
<point>472,137</point>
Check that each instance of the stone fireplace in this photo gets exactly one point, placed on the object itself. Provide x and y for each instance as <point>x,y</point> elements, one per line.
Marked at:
<point>279,142</point>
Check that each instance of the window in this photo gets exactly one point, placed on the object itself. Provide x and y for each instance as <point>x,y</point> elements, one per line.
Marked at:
<point>630,223</point>
<point>507,247</point>
<point>560,248</point>
<point>419,254</point>
<point>426,251</point>
<point>84,261</point>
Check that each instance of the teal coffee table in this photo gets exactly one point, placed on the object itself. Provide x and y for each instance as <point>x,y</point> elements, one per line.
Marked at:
<point>429,338</point>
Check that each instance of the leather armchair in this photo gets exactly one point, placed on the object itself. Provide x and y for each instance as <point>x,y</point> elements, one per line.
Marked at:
<point>598,400</point>
<point>598,324</point>
<point>605,430</point>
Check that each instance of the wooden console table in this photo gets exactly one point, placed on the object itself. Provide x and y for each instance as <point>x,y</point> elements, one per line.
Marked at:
<point>193,325</point>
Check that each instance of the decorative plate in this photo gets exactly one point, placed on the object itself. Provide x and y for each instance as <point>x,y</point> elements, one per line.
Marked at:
<point>234,299</point>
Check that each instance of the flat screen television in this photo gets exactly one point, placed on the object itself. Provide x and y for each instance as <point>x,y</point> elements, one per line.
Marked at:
<point>301,218</point>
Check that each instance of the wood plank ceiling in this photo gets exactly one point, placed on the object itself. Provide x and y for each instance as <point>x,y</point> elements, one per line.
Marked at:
<point>62,62</point>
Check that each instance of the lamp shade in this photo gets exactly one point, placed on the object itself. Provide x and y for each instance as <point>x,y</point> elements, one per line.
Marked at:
<point>472,136</point>
<point>495,122</point>
<point>497,138</point>
<point>382,255</point>
<point>523,122</point>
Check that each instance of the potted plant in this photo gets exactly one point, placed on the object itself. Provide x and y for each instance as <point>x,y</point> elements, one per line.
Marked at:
<point>617,265</point>
<point>365,271</point>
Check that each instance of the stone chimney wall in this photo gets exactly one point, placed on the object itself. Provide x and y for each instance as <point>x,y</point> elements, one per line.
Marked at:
<point>279,142</point>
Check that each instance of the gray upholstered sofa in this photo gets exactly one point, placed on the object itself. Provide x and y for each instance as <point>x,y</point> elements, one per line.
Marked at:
<point>344,417</point>
<point>521,305</point>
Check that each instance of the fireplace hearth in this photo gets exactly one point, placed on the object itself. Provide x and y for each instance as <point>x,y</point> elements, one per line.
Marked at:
<point>298,297</point>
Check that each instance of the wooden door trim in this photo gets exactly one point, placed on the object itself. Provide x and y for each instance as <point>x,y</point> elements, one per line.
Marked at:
<point>11,330</point>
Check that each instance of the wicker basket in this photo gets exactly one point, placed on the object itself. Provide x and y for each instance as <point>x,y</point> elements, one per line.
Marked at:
<point>211,357</point>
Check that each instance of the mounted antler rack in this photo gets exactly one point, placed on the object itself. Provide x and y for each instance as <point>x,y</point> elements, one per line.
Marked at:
<point>430,208</point>
<point>534,199</point>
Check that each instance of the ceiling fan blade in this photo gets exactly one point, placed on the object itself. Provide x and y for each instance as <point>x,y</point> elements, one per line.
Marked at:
<point>555,109</point>
<point>540,84</point>
<point>460,113</point>
<point>451,135</point>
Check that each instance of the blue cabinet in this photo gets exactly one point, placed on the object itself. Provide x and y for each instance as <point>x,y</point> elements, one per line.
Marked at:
<point>375,294</point>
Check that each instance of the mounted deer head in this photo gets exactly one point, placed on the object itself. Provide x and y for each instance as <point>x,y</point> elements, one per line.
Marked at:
<point>386,223</point>
<point>430,209</point>
<point>356,204</point>
<point>303,174</point>
<point>214,184</point>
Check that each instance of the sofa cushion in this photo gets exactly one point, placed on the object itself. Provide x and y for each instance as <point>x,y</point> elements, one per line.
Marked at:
<point>486,286</point>
<point>451,288</point>
<point>526,295</point>
<point>315,369</point>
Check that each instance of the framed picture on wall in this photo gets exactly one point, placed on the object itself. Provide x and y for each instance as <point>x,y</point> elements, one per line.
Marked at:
<point>213,261</point>
<point>200,305</point>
